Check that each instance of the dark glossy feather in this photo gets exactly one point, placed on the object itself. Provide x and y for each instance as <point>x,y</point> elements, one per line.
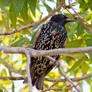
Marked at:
<point>51,35</point>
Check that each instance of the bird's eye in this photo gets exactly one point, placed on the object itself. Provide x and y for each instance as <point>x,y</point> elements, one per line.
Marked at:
<point>65,16</point>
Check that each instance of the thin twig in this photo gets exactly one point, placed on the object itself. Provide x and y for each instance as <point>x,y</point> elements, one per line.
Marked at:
<point>68,79</point>
<point>61,89</point>
<point>13,69</point>
<point>73,79</point>
<point>61,71</point>
<point>1,12</point>
<point>28,70</point>
<point>33,24</point>
<point>81,18</point>
<point>51,80</point>
<point>47,89</point>
<point>11,78</point>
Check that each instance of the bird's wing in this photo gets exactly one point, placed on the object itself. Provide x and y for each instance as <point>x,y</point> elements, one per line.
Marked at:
<point>38,34</point>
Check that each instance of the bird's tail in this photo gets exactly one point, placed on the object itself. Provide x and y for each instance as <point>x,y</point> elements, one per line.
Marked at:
<point>38,83</point>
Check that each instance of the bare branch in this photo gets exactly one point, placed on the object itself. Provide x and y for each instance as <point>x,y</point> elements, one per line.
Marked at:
<point>81,18</point>
<point>33,24</point>
<point>61,71</point>
<point>51,80</point>
<point>73,79</point>
<point>62,51</point>
<point>12,78</point>
<point>61,89</point>
<point>35,53</point>
<point>12,49</point>
<point>13,69</point>
<point>28,70</point>
<point>2,12</point>
<point>68,79</point>
<point>47,89</point>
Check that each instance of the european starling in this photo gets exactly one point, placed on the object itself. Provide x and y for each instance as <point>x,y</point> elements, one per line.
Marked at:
<point>51,35</point>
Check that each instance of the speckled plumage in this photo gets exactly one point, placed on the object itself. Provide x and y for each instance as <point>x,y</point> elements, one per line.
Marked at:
<point>51,35</point>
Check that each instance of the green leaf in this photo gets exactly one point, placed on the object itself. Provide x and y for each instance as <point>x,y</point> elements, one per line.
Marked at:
<point>83,5</point>
<point>51,0</point>
<point>63,1</point>
<point>33,37</point>
<point>18,4</point>
<point>4,72</point>
<point>74,43</point>
<point>90,4</point>
<point>12,14</point>
<point>24,12</point>
<point>90,56</point>
<point>76,65</point>
<point>80,28</point>
<point>49,9</point>
<point>84,68</point>
<point>19,42</point>
<point>33,4</point>
<point>34,34</point>
<point>35,27</point>
<point>4,4</point>
<point>88,17</point>
<point>89,43</point>
<point>1,90</point>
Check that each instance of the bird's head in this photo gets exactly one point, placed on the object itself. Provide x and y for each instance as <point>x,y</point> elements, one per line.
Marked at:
<point>61,19</point>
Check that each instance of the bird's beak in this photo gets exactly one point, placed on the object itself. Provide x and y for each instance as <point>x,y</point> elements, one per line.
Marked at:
<point>70,20</point>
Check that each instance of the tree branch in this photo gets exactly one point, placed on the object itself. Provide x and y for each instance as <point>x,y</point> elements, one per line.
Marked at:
<point>12,78</point>
<point>62,51</point>
<point>73,79</point>
<point>28,70</point>
<point>60,89</point>
<point>1,12</point>
<point>51,80</point>
<point>47,89</point>
<point>61,71</point>
<point>81,18</point>
<point>33,24</point>
<point>35,53</point>
<point>13,69</point>
<point>68,79</point>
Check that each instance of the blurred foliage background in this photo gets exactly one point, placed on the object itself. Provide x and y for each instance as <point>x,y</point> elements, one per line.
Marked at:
<point>17,13</point>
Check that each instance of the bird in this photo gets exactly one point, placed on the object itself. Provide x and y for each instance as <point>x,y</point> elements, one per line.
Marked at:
<point>52,35</point>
